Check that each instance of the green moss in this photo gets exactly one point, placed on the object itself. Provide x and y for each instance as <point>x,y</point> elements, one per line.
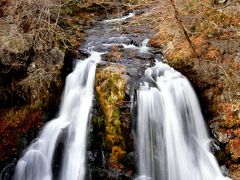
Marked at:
<point>71,8</point>
<point>99,121</point>
<point>67,10</point>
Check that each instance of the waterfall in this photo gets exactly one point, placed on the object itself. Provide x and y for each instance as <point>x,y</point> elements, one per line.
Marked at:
<point>172,140</point>
<point>36,163</point>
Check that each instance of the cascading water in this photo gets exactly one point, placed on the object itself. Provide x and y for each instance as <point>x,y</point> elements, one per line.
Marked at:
<point>172,139</point>
<point>36,164</point>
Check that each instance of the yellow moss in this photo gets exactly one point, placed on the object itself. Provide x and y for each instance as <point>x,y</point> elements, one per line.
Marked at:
<point>110,87</point>
<point>117,153</point>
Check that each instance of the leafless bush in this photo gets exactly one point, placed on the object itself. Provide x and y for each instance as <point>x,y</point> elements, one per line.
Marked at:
<point>38,21</point>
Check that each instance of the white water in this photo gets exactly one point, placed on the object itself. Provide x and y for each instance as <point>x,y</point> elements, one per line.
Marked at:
<point>172,139</point>
<point>144,49</point>
<point>74,114</point>
<point>119,19</point>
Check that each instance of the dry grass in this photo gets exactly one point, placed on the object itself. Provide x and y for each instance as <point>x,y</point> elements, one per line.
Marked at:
<point>37,21</point>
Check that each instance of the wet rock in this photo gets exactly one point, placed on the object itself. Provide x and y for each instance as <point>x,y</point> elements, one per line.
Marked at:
<point>130,161</point>
<point>221,157</point>
<point>8,171</point>
<point>83,54</point>
<point>115,54</point>
<point>222,137</point>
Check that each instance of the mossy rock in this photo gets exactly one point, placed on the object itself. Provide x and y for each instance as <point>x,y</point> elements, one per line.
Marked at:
<point>110,87</point>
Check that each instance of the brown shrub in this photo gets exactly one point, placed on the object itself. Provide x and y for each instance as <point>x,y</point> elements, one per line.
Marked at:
<point>37,21</point>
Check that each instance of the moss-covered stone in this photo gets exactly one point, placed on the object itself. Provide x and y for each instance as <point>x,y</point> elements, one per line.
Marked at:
<point>110,87</point>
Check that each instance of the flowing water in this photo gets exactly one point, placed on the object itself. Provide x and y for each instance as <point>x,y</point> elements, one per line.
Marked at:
<point>172,139</point>
<point>36,164</point>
